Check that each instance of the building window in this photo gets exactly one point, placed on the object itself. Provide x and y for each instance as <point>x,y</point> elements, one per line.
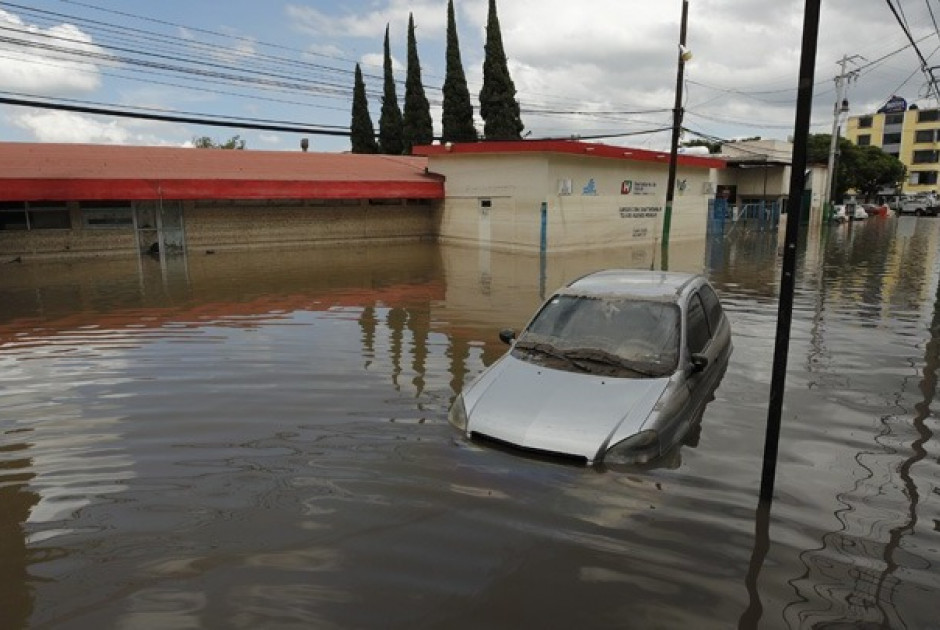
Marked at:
<point>106,214</point>
<point>864,140</point>
<point>894,119</point>
<point>924,136</point>
<point>928,115</point>
<point>864,122</point>
<point>34,215</point>
<point>925,157</point>
<point>923,178</point>
<point>486,203</point>
<point>891,138</point>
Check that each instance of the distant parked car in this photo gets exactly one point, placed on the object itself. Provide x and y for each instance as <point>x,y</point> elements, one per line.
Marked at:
<point>614,368</point>
<point>919,205</point>
<point>849,212</point>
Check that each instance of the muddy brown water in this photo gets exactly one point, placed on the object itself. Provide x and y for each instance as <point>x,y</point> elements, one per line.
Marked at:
<point>259,440</point>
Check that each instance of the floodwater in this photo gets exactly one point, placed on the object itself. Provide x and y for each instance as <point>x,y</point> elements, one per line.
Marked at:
<point>259,440</point>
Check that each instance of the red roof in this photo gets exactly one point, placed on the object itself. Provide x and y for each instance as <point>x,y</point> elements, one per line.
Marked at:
<point>33,171</point>
<point>571,147</point>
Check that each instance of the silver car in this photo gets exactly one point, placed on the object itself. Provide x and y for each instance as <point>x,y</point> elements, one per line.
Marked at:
<point>615,368</point>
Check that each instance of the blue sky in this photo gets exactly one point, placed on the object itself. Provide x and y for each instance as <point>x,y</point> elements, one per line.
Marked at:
<point>601,67</point>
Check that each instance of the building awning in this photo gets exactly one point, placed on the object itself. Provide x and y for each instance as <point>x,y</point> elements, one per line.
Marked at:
<point>568,147</point>
<point>62,172</point>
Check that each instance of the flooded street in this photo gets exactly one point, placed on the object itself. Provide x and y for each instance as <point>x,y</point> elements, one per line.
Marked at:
<point>260,440</point>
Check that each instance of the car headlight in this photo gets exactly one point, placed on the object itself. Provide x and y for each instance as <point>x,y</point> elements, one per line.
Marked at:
<point>458,413</point>
<point>636,449</point>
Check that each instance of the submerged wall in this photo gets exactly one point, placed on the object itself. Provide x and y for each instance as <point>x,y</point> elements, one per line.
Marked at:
<point>497,200</point>
<point>218,225</point>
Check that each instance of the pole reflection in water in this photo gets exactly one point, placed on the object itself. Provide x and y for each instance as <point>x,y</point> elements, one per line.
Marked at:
<point>262,440</point>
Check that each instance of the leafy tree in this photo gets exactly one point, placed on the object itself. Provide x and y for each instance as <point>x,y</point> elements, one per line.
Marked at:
<point>873,170</point>
<point>416,126</point>
<point>498,105</point>
<point>390,122</point>
<point>864,169</point>
<point>205,142</point>
<point>361,131</point>
<point>457,114</point>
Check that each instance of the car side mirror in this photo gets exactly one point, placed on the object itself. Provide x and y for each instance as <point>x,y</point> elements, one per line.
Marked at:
<point>507,335</point>
<point>699,362</point>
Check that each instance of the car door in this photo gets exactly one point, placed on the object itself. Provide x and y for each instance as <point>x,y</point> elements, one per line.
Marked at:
<point>707,328</point>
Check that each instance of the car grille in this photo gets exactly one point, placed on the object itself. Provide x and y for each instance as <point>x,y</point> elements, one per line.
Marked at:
<point>534,453</point>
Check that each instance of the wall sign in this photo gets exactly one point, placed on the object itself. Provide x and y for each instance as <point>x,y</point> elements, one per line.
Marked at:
<point>590,188</point>
<point>646,212</point>
<point>633,187</point>
<point>894,105</point>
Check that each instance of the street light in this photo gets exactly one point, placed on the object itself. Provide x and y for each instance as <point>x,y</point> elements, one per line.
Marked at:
<point>684,55</point>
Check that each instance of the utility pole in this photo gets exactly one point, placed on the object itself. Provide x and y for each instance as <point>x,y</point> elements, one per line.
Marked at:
<point>841,106</point>
<point>684,56</point>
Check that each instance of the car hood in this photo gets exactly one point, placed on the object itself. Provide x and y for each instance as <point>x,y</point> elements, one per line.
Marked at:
<point>558,411</point>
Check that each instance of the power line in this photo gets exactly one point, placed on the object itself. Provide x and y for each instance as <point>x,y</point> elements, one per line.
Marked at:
<point>927,71</point>
<point>213,122</point>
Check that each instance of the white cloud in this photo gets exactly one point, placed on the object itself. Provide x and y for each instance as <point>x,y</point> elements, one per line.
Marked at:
<point>46,61</point>
<point>430,18</point>
<point>70,127</point>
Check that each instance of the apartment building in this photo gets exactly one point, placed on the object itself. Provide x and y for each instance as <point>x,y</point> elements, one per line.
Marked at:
<point>907,132</point>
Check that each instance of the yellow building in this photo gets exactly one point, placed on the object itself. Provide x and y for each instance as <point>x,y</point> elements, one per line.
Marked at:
<point>910,134</point>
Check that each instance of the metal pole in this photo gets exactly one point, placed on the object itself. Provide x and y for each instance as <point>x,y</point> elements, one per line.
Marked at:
<point>837,110</point>
<point>834,139</point>
<point>674,147</point>
<point>787,276</point>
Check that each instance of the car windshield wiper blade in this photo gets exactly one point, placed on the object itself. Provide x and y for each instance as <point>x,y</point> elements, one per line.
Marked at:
<point>549,350</point>
<point>609,358</point>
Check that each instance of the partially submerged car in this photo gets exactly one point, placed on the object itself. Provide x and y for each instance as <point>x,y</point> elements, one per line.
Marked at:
<point>614,368</point>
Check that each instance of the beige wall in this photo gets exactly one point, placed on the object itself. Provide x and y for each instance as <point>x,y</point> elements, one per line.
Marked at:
<point>261,225</point>
<point>584,202</point>
<point>77,241</point>
<point>238,226</point>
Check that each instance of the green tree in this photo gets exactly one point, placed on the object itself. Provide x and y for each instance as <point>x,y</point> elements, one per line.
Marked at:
<point>205,142</point>
<point>417,128</point>
<point>873,170</point>
<point>390,122</point>
<point>457,114</point>
<point>361,131</point>
<point>863,169</point>
<point>498,105</point>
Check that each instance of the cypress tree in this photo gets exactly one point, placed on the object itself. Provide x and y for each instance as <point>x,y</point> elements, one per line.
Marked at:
<point>457,115</point>
<point>498,105</point>
<point>361,131</point>
<point>416,128</point>
<point>390,124</point>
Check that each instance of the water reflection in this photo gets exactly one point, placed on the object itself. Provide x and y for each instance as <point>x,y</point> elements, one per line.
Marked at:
<point>260,439</point>
<point>16,501</point>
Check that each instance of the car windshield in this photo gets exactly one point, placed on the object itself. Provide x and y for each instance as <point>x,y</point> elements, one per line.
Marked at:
<point>614,336</point>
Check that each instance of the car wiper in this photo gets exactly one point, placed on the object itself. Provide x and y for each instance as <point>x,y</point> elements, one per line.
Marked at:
<point>608,358</point>
<point>549,350</point>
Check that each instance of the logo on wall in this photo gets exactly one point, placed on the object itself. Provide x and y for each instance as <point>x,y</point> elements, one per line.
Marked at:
<point>631,187</point>
<point>590,188</point>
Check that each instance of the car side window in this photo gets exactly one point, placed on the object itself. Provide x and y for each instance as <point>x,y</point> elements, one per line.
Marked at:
<point>698,331</point>
<point>712,306</point>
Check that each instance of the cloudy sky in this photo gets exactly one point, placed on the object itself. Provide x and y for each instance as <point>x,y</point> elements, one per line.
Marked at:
<point>596,68</point>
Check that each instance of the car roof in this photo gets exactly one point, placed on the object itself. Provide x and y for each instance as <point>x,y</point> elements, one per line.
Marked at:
<point>639,283</point>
